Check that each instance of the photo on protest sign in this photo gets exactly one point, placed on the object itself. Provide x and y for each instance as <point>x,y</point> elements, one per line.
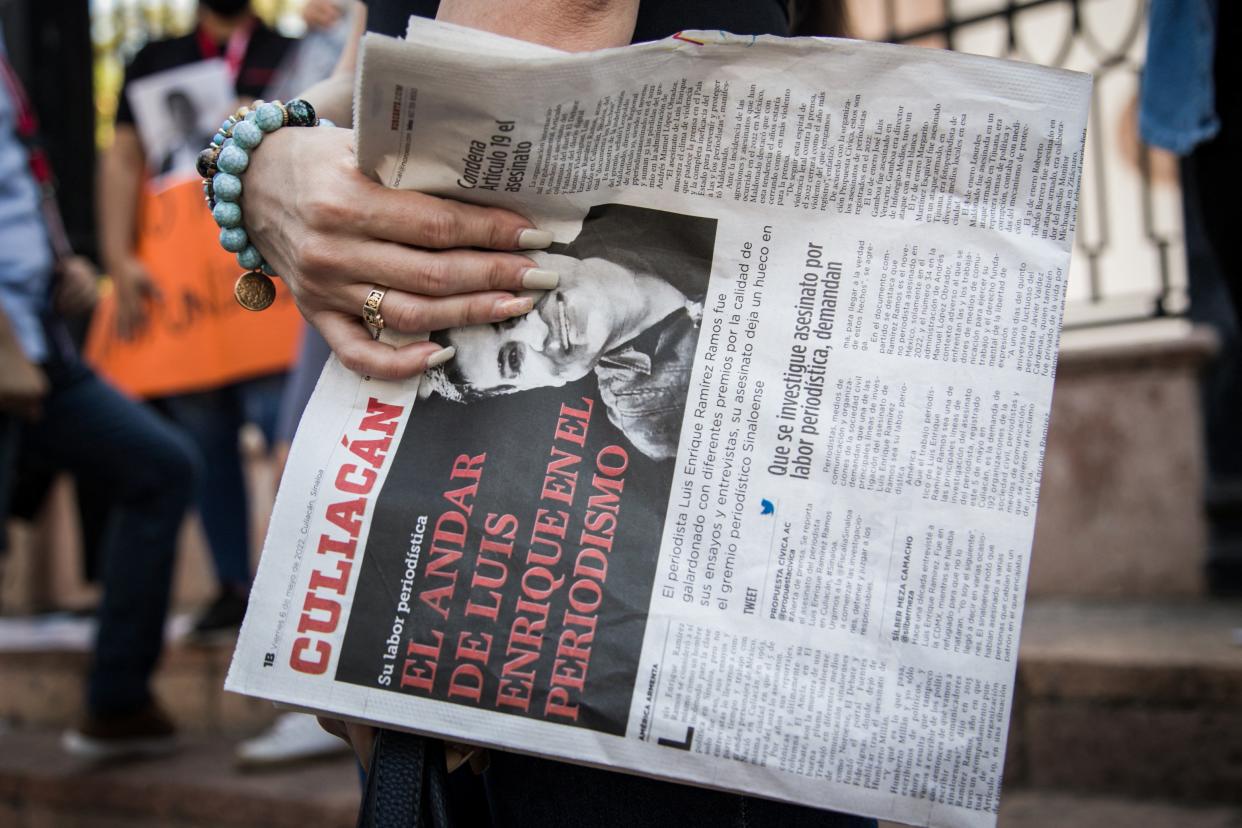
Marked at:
<point>510,568</point>
<point>177,112</point>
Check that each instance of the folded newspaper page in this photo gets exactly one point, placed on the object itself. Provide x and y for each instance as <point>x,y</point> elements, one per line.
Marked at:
<point>747,501</point>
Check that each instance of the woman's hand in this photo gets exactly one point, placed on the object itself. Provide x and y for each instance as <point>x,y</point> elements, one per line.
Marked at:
<point>322,14</point>
<point>362,739</point>
<point>135,290</point>
<point>359,736</point>
<point>333,235</point>
<point>77,288</point>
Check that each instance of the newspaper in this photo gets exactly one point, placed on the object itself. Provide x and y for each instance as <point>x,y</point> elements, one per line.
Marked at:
<point>748,500</point>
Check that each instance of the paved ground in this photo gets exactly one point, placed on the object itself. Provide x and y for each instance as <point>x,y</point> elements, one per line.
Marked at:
<point>200,787</point>
<point>1163,634</point>
<point>197,786</point>
<point>1029,809</point>
<point>1039,809</point>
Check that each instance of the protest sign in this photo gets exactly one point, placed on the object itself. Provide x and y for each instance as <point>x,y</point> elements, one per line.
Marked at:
<point>197,336</point>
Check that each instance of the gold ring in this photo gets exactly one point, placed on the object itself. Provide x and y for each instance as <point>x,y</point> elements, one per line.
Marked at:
<point>371,309</point>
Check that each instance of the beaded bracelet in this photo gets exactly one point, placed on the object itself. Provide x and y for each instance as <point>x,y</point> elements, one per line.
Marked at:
<point>221,166</point>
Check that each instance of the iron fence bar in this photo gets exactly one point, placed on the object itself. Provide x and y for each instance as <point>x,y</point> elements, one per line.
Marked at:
<point>950,25</point>
<point>1098,232</point>
<point>942,29</point>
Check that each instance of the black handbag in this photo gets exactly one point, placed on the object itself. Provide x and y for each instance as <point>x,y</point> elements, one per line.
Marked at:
<point>407,786</point>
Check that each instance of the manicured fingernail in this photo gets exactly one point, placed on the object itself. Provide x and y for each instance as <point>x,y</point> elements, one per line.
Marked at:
<point>519,306</point>
<point>441,356</point>
<point>539,279</point>
<point>534,239</point>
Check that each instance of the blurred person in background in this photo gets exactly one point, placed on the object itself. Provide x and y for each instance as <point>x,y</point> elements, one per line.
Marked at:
<point>1186,108</point>
<point>315,54</point>
<point>211,417</point>
<point>296,737</point>
<point>67,419</point>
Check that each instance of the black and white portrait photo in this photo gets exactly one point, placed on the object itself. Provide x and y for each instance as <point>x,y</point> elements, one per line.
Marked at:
<point>177,112</point>
<point>628,310</point>
<point>568,420</point>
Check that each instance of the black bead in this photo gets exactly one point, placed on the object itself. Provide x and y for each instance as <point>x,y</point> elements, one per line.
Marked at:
<point>301,113</point>
<point>206,163</point>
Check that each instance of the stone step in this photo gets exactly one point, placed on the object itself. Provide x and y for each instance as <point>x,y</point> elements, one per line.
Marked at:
<point>1121,499</point>
<point>1042,809</point>
<point>196,787</point>
<point>1136,699</point>
<point>45,689</point>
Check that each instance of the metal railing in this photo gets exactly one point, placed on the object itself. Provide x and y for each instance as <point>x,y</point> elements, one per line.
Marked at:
<point>1129,261</point>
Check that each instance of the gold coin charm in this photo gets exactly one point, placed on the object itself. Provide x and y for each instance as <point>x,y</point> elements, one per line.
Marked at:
<point>254,290</point>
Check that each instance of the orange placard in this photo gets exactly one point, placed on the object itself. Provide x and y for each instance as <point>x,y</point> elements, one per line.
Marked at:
<point>197,336</point>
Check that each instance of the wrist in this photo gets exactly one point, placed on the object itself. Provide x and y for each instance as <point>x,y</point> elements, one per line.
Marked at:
<point>121,266</point>
<point>570,25</point>
<point>223,163</point>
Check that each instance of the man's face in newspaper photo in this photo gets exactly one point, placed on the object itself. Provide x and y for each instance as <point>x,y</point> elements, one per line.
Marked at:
<point>558,342</point>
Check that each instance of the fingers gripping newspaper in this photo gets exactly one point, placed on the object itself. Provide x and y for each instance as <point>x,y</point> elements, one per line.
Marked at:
<point>747,500</point>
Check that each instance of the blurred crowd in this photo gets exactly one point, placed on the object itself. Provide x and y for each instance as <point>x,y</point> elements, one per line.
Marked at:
<point>141,461</point>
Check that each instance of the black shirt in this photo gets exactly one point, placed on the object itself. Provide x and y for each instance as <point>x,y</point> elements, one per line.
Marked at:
<point>656,18</point>
<point>263,55</point>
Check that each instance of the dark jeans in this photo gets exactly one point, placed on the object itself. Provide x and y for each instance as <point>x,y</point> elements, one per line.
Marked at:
<point>149,471</point>
<point>10,429</point>
<point>212,420</point>
<point>523,790</point>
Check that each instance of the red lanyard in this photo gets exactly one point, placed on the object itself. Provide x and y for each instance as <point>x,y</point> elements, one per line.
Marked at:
<point>234,50</point>
<point>27,126</point>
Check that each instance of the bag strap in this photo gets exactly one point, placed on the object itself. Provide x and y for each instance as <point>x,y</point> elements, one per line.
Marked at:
<point>407,785</point>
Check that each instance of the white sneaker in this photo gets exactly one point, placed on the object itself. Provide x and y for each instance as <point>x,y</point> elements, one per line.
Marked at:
<point>143,732</point>
<point>76,743</point>
<point>291,738</point>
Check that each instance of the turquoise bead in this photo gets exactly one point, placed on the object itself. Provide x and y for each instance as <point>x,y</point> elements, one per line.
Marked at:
<point>217,139</point>
<point>233,239</point>
<point>226,187</point>
<point>233,159</point>
<point>267,268</point>
<point>269,117</point>
<point>227,214</point>
<point>250,258</point>
<point>246,135</point>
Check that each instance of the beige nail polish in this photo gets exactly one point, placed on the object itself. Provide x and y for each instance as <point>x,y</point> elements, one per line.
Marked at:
<point>534,239</point>
<point>518,306</point>
<point>441,356</point>
<point>539,279</point>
